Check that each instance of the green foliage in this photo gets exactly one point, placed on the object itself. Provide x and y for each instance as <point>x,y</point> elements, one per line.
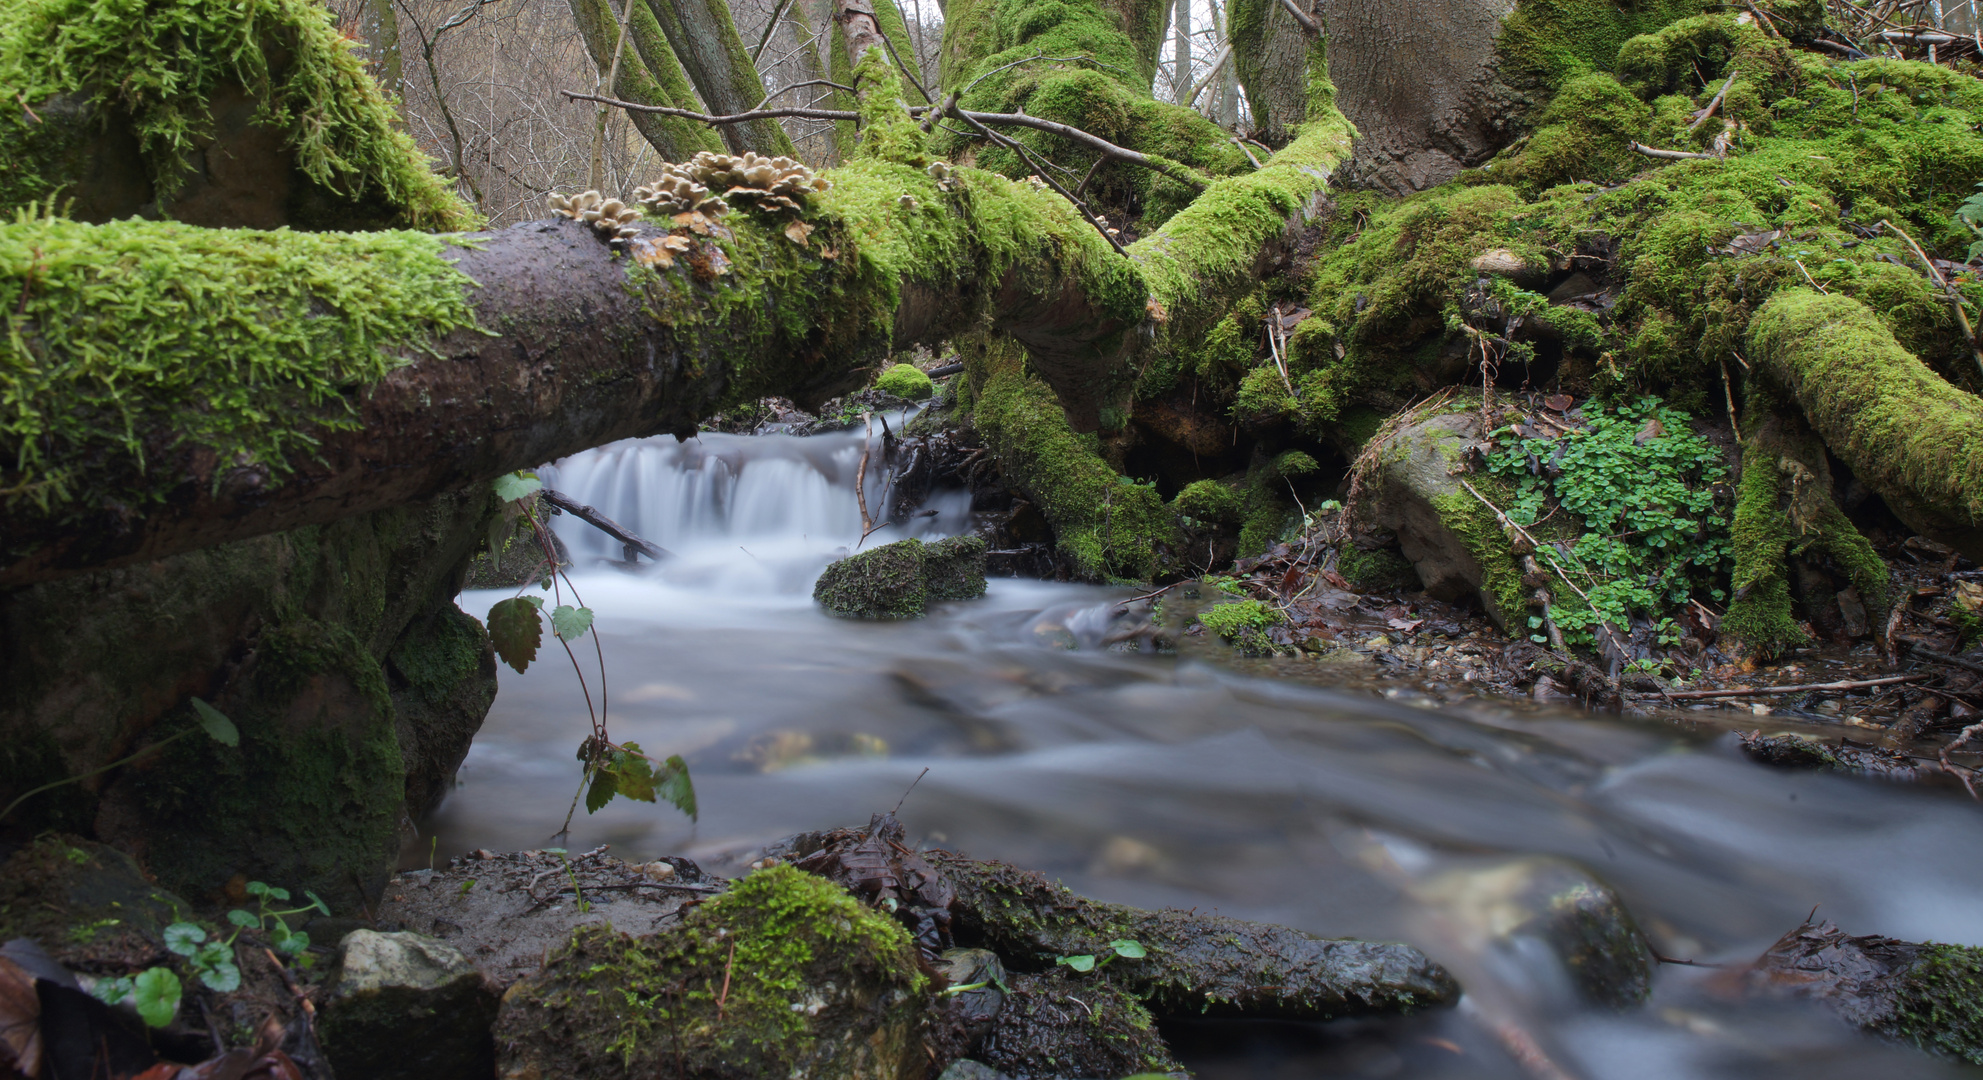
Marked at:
<point>905,381</point>
<point>154,992</point>
<point>1229,621</point>
<point>569,622</point>
<point>625,771</point>
<point>1970,216</point>
<point>1085,962</point>
<point>162,62</point>
<point>217,726</point>
<point>138,343</point>
<point>518,485</point>
<point>1650,498</point>
<point>516,628</point>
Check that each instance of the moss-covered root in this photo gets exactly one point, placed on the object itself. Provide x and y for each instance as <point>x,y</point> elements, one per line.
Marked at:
<point>1927,994</point>
<point>1784,510</point>
<point>784,975</point>
<point>1196,964</point>
<point>1106,524</point>
<point>1905,431</point>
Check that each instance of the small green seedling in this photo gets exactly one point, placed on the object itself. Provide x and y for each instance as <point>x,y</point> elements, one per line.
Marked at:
<point>154,992</point>
<point>1085,962</point>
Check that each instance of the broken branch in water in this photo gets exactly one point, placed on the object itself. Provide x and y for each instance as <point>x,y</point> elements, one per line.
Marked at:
<point>606,525</point>
<point>1743,691</point>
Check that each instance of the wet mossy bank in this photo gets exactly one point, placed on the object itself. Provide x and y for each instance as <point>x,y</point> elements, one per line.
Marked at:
<point>336,650</point>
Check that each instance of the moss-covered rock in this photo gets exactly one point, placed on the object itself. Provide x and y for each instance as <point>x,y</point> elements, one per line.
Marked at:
<point>336,650</point>
<point>882,583</point>
<point>905,381</point>
<point>785,975</point>
<point>1926,994</point>
<point>955,568</point>
<point>81,898</point>
<point>1061,1024</point>
<point>402,1006</point>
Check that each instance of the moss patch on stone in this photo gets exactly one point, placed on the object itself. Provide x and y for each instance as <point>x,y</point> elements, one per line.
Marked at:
<point>817,984</point>
<point>162,63</point>
<point>905,381</point>
<point>884,583</point>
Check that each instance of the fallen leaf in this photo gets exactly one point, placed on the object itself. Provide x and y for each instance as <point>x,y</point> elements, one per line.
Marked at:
<point>20,1020</point>
<point>1405,625</point>
<point>1559,402</point>
<point>1651,431</point>
<point>797,232</point>
<point>829,253</point>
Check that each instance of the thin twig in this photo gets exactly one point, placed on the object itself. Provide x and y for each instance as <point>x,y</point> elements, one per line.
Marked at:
<point>606,525</point>
<point>1715,103</point>
<point>776,14</point>
<point>1960,772</point>
<point>803,113</point>
<point>1962,315</point>
<point>723,995</point>
<point>1671,155</point>
<point>1944,658</point>
<point>1303,18</point>
<point>913,81</point>
<point>1043,174</point>
<point>1728,387</point>
<point>1744,691</point>
<point>1249,154</point>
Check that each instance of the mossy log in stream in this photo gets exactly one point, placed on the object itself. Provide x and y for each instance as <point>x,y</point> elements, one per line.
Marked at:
<point>1197,964</point>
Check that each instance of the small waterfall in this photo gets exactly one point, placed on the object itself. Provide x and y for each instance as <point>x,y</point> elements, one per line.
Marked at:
<point>741,514</point>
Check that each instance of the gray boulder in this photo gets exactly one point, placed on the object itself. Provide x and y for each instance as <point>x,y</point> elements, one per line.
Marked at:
<point>407,1006</point>
<point>1414,489</point>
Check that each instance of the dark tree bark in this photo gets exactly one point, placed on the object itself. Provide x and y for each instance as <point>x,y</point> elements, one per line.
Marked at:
<point>704,39</point>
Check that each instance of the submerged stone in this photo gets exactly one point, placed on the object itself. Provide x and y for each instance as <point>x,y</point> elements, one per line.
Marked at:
<point>407,1006</point>
<point>784,975</point>
<point>1926,994</point>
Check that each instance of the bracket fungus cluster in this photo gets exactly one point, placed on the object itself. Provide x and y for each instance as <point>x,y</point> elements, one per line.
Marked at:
<point>612,219</point>
<point>769,183</point>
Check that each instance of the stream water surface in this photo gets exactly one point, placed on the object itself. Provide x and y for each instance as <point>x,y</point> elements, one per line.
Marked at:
<point>1176,780</point>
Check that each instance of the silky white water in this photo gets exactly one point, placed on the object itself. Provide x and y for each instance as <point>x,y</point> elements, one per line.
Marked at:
<point>1172,780</point>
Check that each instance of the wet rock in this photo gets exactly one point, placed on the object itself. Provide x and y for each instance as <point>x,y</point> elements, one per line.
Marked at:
<point>88,903</point>
<point>784,975</point>
<point>970,1005</point>
<point>955,568</point>
<point>1195,964</point>
<point>1065,1025</point>
<point>1414,490</point>
<point>1516,906</point>
<point>1925,994</point>
<point>971,1070</point>
<point>403,1006</point>
<point>884,583</point>
<point>1789,751</point>
<point>898,581</point>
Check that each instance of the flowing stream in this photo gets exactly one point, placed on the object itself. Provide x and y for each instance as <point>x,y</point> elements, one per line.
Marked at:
<point>1179,780</point>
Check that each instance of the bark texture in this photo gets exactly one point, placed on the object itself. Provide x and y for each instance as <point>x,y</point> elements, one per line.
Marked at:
<point>704,39</point>
<point>649,75</point>
<point>1269,53</point>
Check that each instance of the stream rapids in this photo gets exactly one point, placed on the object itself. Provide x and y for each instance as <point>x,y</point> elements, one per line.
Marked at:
<point>1175,780</point>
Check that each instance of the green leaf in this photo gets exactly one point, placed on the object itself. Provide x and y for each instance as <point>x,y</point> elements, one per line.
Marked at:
<point>318,903</point>
<point>184,938</point>
<point>676,787</point>
<point>517,629</point>
<point>222,978</point>
<point>111,991</point>
<point>294,943</point>
<point>517,485</point>
<point>212,955</point>
<point>256,888</point>
<point>1128,950</point>
<point>242,918</point>
<point>218,725</point>
<point>157,992</point>
<point>570,622</point>
<point>467,885</point>
<point>1084,962</point>
<point>275,893</point>
<point>605,785</point>
<point>634,774</point>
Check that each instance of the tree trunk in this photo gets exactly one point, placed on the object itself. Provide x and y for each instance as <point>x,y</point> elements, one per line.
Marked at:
<point>1181,52</point>
<point>673,138</point>
<point>704,39</point>
<point>1269,52</point>
<point>648,53</point>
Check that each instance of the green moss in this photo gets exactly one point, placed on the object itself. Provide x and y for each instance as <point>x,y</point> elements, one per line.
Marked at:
<point>1547,42</point>
<point>139,341</point>
<point>1208,501</point>
<point>1267,509</point>
<point>884,583</point>
<point>1941,1003</point>
<point>757,982</point>
<point>1759,615</point>
<point>887,132</point>
<point>1108,525</point>
<point>1474,525</point>
<point>1582,135</point>
<point>161,63</point>
<point>1381,570</point>
<point>1900,426</point>
<point>905,381</point>
<point>435,663</point>
<point>1242,624</point>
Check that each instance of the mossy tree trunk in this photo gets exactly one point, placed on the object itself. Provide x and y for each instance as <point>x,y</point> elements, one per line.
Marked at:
<point>704,39</point>
<point>649,74</point>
